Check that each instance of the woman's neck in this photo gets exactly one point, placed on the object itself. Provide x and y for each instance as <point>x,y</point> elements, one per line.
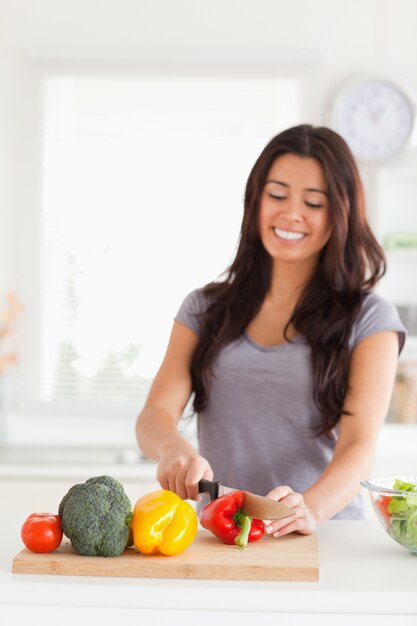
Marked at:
<point>288,282</point>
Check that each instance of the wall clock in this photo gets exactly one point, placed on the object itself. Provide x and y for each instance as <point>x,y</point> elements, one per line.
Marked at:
<point>375,117</point>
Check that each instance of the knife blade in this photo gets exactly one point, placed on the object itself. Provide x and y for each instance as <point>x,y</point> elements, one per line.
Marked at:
<point>255,506</point>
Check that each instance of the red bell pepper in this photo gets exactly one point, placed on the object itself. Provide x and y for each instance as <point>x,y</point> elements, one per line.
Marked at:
<point>224,517</point>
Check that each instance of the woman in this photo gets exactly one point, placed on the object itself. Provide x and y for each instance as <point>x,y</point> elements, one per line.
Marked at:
<point>292,357</point>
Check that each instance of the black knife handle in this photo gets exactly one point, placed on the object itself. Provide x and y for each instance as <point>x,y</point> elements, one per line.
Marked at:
<point>210,487</point>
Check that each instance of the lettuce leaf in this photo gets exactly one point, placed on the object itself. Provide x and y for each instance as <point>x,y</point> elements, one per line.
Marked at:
<point>397,504</point>
<point>403,486</point>
<point>403,519</point>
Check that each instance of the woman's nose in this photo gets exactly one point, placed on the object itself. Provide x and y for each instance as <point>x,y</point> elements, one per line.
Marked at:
<point>293,210</point>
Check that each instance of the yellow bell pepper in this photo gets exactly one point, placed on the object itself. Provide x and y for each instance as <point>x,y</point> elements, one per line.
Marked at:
<point>163,522</point>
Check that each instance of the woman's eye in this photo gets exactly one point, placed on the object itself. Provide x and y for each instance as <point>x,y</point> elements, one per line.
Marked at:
<point>272,195</point>
<point>313,205</point>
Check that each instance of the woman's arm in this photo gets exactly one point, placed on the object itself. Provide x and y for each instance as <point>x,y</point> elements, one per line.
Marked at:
<point>370,383</point>
<point>180,467</point>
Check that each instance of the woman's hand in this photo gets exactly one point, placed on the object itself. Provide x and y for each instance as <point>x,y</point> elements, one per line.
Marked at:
<point>302,521</point>
<point>180,468</point>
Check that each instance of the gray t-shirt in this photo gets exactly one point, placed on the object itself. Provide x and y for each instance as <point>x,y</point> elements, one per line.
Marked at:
<point>257,431</point>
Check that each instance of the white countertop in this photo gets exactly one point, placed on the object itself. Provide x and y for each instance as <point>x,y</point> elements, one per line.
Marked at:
<point>362,572</point>
<point>364,575</point>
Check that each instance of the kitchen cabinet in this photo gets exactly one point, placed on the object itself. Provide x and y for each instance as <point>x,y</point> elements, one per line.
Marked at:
<point>403,408</point>
<point>396,219</point>
<point>391,198</point>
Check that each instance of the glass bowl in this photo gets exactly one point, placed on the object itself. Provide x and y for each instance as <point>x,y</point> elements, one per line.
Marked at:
<point>394,499</point>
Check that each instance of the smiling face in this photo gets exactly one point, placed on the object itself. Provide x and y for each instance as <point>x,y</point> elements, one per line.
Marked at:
<point>294,222</point>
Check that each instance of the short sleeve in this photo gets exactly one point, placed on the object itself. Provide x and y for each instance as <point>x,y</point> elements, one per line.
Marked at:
<point>191,310</point>
<point>377,315</point>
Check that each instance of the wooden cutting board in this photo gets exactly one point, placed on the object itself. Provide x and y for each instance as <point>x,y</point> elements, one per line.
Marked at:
<point>292,557</point>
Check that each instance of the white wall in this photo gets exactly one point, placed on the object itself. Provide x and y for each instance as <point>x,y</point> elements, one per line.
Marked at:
<point>334,40</point>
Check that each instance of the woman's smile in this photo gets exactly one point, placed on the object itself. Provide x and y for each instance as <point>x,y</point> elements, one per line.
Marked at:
<point>292,236</point>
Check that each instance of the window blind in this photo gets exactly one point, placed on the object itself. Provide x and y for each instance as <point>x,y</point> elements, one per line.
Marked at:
<point>143,179</point>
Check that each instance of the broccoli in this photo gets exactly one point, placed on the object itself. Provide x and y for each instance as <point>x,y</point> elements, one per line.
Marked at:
<point>96,517</point>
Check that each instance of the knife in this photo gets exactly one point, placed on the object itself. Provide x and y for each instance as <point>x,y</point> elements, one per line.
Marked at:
<point>255,506</point>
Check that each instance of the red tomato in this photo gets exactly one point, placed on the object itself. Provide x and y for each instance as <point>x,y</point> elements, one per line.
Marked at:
<point>42,532</point>
<point>382,503</point>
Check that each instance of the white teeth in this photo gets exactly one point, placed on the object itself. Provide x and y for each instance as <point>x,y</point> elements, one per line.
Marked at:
<point>288,234</point>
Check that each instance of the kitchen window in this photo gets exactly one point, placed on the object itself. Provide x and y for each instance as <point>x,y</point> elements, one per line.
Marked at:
<point>142,184</point>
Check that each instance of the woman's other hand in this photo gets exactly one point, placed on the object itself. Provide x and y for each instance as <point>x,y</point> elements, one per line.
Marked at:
<point>180,469</point>
<point>302,521</point>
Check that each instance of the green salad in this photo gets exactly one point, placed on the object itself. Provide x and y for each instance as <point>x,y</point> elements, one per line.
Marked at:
<point>402,512</point>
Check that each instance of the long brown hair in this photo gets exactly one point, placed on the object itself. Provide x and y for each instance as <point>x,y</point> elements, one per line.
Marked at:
<point>350,264</point>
